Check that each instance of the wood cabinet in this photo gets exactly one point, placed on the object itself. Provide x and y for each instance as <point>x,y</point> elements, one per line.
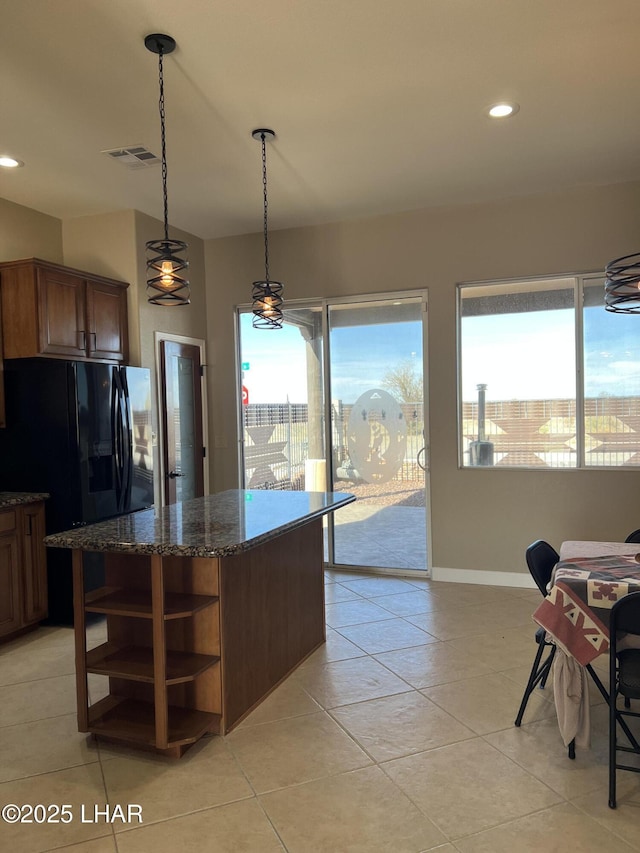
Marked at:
<point>51,310</point>
<point>162,655</point>
<point>23,570</point>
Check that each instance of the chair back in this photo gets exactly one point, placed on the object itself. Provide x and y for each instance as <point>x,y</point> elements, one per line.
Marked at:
<point>625,616</point>
<point>633,537</point>
<point>625,619</point>
<point>541,558</point>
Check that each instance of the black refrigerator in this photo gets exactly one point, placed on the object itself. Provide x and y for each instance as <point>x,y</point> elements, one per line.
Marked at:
<point>82,432</point>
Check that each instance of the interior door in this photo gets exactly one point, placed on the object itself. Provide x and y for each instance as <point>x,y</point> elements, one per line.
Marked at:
<point>183,449</point>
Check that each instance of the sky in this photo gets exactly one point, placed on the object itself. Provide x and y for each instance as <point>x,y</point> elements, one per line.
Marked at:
<point>361,356</point>
<point>518,356</point>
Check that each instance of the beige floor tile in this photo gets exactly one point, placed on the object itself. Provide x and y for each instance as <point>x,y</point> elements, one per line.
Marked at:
<point>375,637</point>
<point>359,812</point>
<point>236,828</point>
<point>469,786</point>
<point>487,703</point>
<point>207,775</point>
<point>400,725</point>
<point>288,752</point>
<point>468,593</point>
<point>553,830</point>
<point>75,787</point>
<point>334,592</point>
<point>436,663</point>
<point>407,603</point>
<point>37,700</point>
<point>340,576</point>
<point>42,747</point>
<point>500,649</point>
<point>538,747</point>
<point>287,700</point>
<point>624,820</point>
<point>335,648</point>
<point>107,844</point>
<point>354,613</point>
<point>21,662</point>
<point>347,681</point>
<point>373,586</point>
<point>469,621</point>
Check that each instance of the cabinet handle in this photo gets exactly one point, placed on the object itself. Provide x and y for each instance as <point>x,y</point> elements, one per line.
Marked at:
<point>83,339</point>
<point>95,342</point>
<point>28,531</point>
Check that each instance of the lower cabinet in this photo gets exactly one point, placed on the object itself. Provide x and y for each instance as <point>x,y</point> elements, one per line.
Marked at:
<point>161,655</point>
<point>23,569</point>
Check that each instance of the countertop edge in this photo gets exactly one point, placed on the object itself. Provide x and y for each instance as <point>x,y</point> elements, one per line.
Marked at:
<point>9,499</point>
<point>58,540</point>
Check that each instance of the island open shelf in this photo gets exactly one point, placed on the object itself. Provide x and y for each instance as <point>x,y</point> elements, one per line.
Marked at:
<point>203,619</point>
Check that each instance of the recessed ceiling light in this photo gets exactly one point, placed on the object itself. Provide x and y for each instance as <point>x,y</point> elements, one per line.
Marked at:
<point>503,109</point>
<point>9,162</point>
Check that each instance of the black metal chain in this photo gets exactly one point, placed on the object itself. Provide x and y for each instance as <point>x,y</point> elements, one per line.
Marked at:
<point>164,146</point>
<point>264,190</point>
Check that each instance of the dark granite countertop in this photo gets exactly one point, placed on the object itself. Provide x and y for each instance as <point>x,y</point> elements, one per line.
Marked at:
<point>213,526</point>
<point>8,499</point>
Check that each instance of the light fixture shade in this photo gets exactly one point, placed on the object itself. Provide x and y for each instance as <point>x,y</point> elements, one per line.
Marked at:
<point>622,285</point>
<point>267,301</point>
<point>165,284</point>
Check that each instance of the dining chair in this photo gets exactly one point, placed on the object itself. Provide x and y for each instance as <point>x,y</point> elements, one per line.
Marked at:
<point>624,680</point>
<point>541,558</point>
<point>634,536</point>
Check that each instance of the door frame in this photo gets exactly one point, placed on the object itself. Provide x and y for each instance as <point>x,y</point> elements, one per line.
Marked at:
<point>158,338</point>
<point>325,304</point>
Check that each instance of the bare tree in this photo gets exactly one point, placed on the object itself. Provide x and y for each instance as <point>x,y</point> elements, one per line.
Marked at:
<point>404,382</point>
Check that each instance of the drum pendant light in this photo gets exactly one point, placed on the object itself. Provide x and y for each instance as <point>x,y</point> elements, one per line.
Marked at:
<point>266,294</point>
<point>165,258</point>
<point>622,285</point>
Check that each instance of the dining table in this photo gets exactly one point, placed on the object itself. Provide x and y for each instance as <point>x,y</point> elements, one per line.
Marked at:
<point>588,579</point>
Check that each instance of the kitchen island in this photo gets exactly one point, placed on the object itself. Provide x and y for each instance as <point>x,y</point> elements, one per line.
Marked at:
<point>210,604</point>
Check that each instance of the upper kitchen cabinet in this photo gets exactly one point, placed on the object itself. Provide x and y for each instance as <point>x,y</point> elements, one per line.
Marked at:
<point>51,310</point>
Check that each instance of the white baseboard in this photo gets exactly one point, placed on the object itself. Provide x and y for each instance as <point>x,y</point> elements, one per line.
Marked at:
<point>515,579</point>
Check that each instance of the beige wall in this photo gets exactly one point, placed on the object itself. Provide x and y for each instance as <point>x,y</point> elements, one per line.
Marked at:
<point>26,233</point>
<point>481,519</point>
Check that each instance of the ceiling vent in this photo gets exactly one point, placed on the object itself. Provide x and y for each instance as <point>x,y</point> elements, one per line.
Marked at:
<point>135,157</point>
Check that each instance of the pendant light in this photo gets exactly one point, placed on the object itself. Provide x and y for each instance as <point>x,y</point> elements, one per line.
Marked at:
<point>266,295</point>
<point>165,259</point>
<point>622,285</point>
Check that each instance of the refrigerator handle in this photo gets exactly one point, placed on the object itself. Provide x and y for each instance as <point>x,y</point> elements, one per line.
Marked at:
<point>127,443</point>
<point>116,416</point>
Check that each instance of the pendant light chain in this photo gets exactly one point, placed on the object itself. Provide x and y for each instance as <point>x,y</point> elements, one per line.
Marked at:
<point>163,140</point>
<point>266,294</point>
<point>264,191</point>
<point>167,264</point>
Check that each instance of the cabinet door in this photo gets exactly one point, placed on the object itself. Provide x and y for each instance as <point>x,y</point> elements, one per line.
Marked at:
<point>34,563</point>
<point>107,321</point>
<point>61,298</point>
<point>10,598</point>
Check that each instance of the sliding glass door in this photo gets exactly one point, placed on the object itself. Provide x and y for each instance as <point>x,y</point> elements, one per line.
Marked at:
<point>335,400</point>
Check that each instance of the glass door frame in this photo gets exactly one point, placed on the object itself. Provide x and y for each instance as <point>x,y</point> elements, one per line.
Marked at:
<point>325,304</point>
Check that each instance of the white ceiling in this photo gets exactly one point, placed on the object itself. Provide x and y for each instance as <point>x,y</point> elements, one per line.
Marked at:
<point>378,105</point>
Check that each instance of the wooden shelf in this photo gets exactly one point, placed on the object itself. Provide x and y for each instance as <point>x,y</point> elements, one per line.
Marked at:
<point>135,663</point>
<point>129,602</point>
<point>134,721</point>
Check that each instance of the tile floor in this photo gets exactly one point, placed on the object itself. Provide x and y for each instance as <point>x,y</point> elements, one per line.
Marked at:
<point>396,736</point>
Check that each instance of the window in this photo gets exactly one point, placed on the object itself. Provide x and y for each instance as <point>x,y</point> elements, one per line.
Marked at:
<point>548,378</point>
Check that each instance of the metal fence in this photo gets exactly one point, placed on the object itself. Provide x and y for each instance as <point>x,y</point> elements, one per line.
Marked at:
<point>276,443</point>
